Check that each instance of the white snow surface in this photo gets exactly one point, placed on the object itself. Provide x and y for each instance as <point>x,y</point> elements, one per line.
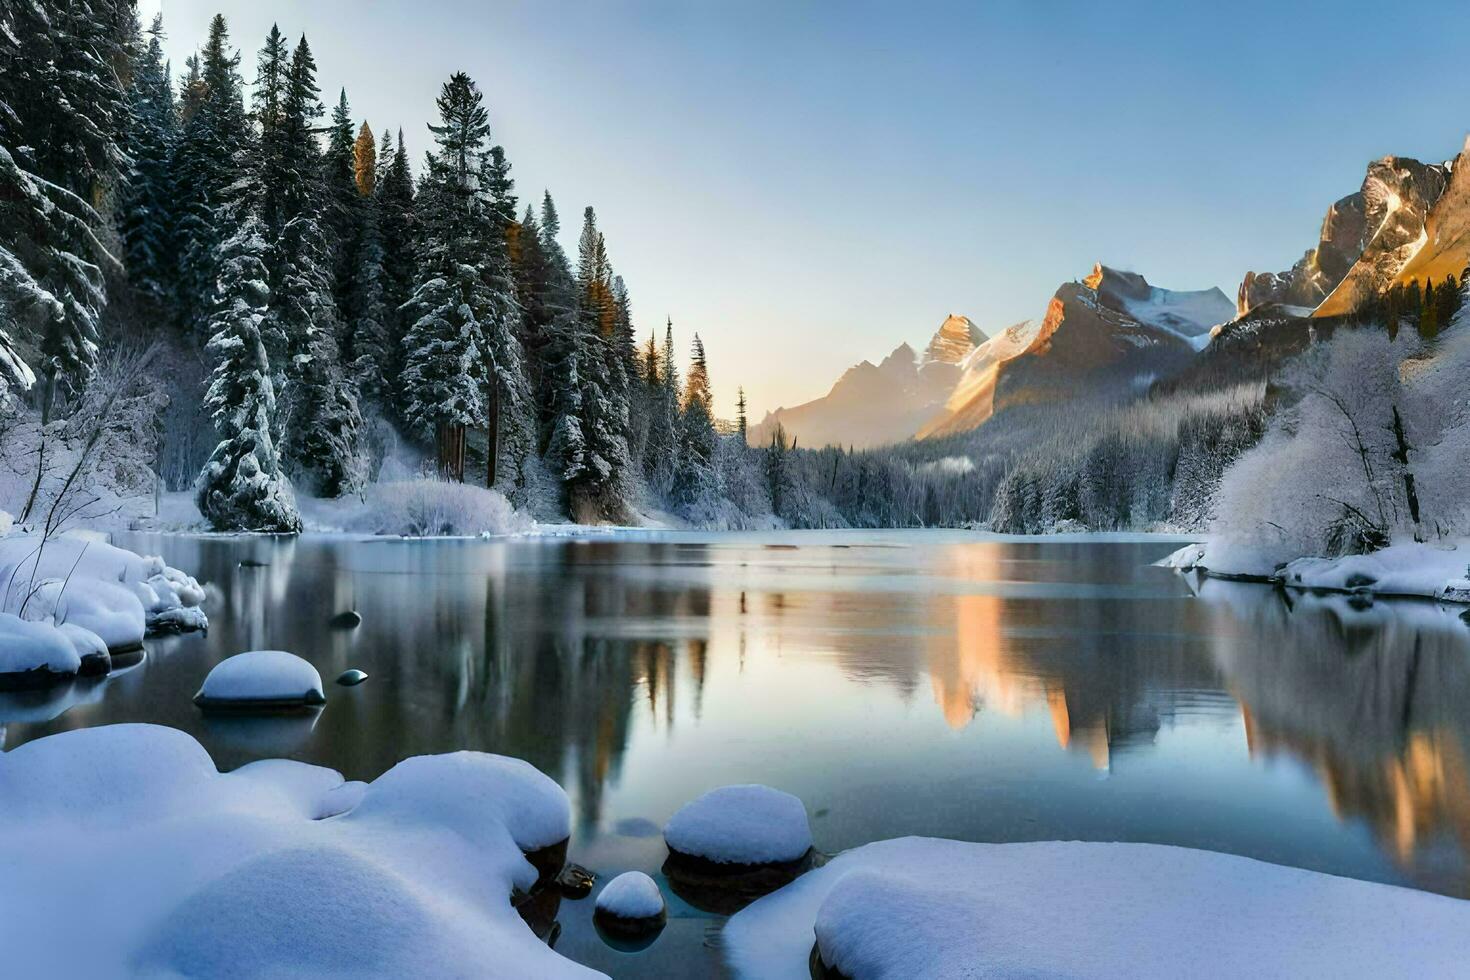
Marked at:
<point>233,874</point>
<point>262,675</point>
<point>941,909</point>
<point>747,824</point>
<point>1406,568</point>
<point>26,646</point>
<point>1189,314</point>
<point>631,895</point>
<point>109,592</point>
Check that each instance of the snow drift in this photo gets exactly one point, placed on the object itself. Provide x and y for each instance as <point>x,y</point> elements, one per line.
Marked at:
<point>919,907</point>
<point>239,873</point>
<point>93,594</point>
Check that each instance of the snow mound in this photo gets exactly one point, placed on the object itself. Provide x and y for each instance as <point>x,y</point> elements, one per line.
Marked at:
<point>272,870</point>
<point>261,678</point>
<point>110,592</point>
<point>108,610</point>
<point>487,797</point>
<point>748,824</point>
<point>631,895</point>
<point>939,909</point>
<point>1402,569</point>
<point>34,653</point>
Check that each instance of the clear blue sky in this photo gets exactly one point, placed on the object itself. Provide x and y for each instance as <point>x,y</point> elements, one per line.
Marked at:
<point>808,184</point>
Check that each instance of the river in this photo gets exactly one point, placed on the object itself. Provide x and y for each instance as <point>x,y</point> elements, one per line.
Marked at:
<point>932,683</point>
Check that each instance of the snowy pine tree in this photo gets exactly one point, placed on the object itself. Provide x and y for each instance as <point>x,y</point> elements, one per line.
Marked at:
<point>211,155</point>
<point>444,349</point>
<point>510,419</point>
<point>694,473</point>
<point>601,491</point>
<point>662,453</point>
<point>242,487</point>
<point>371,343</point>
<point>323,423</point>
<point>343,216</point>
<point>62,111</point>
<point>145,207</point>
<point>398,232</point>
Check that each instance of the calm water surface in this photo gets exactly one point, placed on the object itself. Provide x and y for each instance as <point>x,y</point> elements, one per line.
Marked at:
<point>931,683</point>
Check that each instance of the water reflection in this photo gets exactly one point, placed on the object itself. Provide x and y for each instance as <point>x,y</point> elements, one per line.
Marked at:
<point>898,683</point>
<point>1376,699</point>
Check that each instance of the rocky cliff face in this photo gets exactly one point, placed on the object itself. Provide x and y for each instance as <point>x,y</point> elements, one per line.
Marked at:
<point>1398,194</point>
<point>1446,248</point>
<point>1343,237</point>
<point>1409,220</point>
<point>955,340</point>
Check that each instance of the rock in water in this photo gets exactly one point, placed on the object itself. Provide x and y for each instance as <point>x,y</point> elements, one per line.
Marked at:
<point>575,881</point>
<point>34,654</point>
<point>630,910</point>
<point>349,620</point>
<point>351,678</point>
<point>261,680</point>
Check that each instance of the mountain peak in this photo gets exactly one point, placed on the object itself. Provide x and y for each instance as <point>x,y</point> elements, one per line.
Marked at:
<point>956,338</point>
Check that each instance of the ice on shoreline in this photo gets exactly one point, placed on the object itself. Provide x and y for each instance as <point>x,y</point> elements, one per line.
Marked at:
<point>1431,571</point>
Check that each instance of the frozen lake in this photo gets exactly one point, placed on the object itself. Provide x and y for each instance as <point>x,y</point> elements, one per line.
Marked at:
<point>933,683</point>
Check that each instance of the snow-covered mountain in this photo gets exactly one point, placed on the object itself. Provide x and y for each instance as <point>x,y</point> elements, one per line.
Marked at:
<point>1408,221</point>
<point>1108,334</point>
<point>875,405</point>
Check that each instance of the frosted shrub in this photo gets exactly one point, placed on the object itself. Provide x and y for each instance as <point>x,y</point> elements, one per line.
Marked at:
<point>435,508</point>
<point>1326,479</point>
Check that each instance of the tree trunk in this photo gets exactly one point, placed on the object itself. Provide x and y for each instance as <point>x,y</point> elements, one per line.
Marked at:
<point>492,436</point>
<point>1401,456</point>
<point>459,453</point>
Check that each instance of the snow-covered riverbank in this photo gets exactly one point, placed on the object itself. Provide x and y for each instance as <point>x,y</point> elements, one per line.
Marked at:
<point>1406,569</point>
<point>283,868</point>
<point>71,602</point>
<point>940,909</point>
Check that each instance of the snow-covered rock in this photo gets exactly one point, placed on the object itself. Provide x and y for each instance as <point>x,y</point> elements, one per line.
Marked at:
<point>272,870</point>
<point>108,610</point>
<point>34,654</point>
<point>261,679</point>
<point>110,591</point>
<point>749,824</point>
<point>939,909</point>
<point>92,651</point>
<point>632,895</point>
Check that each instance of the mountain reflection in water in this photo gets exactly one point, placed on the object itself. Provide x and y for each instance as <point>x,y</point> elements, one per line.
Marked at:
<point>927,683</point>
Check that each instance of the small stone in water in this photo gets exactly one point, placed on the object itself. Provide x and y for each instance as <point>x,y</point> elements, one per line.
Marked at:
<point>351,678</point>
<point>575,881</point>
<point>349,620</point>
<point>252,563</point>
